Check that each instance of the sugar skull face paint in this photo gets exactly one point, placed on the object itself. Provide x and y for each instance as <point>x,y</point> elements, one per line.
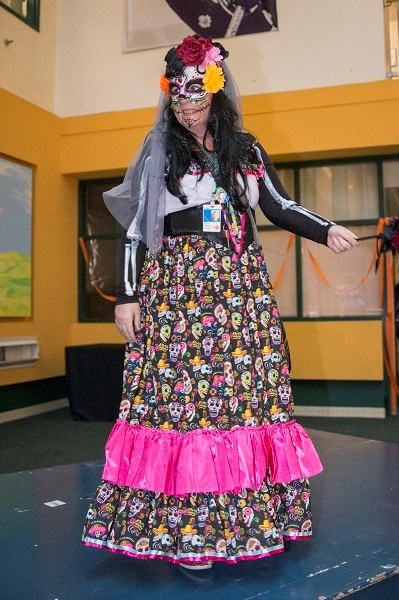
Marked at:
<point>189,101</point>
<point>188,86</point>
<point>192,116</point>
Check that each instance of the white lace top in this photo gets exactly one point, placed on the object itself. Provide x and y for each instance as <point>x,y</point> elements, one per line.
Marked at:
<point>199,191</point>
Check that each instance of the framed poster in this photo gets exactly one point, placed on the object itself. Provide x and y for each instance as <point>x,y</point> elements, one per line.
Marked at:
<point>158,23</point>
<point>16,181</point>
<point>26,10</point>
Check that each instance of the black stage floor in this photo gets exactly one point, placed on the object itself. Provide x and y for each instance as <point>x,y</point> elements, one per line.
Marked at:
<point>356,539</point>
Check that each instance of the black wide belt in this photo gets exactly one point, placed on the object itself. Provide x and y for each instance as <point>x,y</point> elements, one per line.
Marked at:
<point>189,221</point>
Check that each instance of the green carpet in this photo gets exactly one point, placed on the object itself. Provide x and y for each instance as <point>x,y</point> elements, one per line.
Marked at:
<point>383,430</point>
<point>54,438</point>
<point>50,439</point>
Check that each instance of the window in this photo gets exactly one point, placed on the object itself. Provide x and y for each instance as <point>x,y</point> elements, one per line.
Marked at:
<point>316,283</point>
<point>345,295</point>
<point>280,256</point>
<point>391,186</point>
<point>346,192</point>
<point>101,235</point>
<point>311,282</point>
<point>26,10</point>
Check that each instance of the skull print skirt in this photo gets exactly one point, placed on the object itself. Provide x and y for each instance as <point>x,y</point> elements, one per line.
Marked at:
<point>206,460</point>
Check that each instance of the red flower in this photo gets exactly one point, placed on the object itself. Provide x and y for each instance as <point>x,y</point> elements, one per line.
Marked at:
<point>192,50</point>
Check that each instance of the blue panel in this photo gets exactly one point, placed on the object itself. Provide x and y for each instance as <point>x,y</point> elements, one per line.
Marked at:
<point>356,517</point>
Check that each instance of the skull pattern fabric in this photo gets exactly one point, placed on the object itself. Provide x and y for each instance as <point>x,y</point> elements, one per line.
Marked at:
<point>210,354</point>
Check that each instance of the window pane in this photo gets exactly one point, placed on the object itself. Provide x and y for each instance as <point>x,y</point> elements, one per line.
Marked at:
<point>287,179</point>
<point>390,172</point>
<point>341,192</point>
<point>274,244</point>
<point>98,218</point>
<point>105,259</point>
<point>345,295</point>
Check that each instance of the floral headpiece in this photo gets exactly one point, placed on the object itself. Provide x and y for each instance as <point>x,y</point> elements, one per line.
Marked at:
<point>196,51</point>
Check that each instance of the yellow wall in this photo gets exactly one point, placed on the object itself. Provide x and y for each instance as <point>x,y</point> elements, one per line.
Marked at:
<point>336,350</point>
<point>335,121</point>
<point>33,135</point>
<point>329,122</point>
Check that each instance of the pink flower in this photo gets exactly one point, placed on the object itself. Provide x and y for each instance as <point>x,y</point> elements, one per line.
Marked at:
<point>212,56</point>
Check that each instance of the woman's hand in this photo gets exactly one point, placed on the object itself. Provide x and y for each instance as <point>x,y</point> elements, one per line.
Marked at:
<point>127,319</point>
<point>341,239</point>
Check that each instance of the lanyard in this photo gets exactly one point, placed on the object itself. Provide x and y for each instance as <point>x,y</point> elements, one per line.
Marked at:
<point>235,232</point>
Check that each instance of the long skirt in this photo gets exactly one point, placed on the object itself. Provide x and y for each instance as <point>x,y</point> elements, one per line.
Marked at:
<point>206,460</point>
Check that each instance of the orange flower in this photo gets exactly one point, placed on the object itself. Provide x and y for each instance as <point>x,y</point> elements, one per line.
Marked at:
<point>213,79</point>
<point>164,84</point>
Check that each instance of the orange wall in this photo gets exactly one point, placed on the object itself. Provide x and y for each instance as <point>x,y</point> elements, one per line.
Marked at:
<point>335,350</point>
<point>33,135</point>
<point>334,121</point>
<point>329,122</point>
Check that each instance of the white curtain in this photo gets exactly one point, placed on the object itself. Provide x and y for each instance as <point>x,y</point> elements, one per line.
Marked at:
<point>341,192</point>
<point>274,244</point>
<point>345,296</point>
<point>390,171</point>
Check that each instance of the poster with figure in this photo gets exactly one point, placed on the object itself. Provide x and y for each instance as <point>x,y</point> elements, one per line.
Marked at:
<point>158,23</point>
<point>15,238</point>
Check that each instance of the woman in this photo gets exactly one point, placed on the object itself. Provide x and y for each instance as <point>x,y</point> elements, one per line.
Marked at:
<point>206,461</point>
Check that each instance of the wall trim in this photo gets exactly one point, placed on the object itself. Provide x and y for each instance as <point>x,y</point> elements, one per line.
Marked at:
<point>340,411</point>
<point>30,411</point>
<point>339,394</point>
<point>31,393</point>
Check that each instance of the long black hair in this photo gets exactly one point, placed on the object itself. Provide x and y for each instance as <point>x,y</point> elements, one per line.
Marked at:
<point>233,146</point>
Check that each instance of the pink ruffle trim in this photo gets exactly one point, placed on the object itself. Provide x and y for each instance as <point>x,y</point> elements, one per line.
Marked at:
<point>208,460</point>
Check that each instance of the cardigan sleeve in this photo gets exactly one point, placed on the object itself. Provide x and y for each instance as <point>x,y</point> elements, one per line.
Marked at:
<point>129,255</point>
<point>281,210</point>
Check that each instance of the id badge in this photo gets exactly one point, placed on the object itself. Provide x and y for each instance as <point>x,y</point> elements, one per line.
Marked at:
<point>211,217</point>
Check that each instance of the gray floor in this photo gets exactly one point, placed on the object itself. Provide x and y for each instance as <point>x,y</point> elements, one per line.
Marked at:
<point>356,517</point>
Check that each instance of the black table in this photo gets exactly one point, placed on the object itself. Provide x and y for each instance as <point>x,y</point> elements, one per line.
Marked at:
<point>94,380</point>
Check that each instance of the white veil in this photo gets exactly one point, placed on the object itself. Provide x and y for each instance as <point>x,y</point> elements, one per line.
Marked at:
<point>139,203</point>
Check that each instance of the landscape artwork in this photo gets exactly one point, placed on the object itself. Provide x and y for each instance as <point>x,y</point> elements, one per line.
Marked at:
<point>15,239</point>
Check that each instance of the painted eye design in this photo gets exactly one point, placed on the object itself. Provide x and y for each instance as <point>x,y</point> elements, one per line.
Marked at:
<point>195,87</point>
<point>174,89</point>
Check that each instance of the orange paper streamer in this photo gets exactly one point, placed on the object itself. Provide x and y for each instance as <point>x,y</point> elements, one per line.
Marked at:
<point>320,273</point>
<point>281,270</point>
<point>94,283</point>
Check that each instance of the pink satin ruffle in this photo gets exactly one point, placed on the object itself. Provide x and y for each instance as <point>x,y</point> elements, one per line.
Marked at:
<point>208,460</point>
